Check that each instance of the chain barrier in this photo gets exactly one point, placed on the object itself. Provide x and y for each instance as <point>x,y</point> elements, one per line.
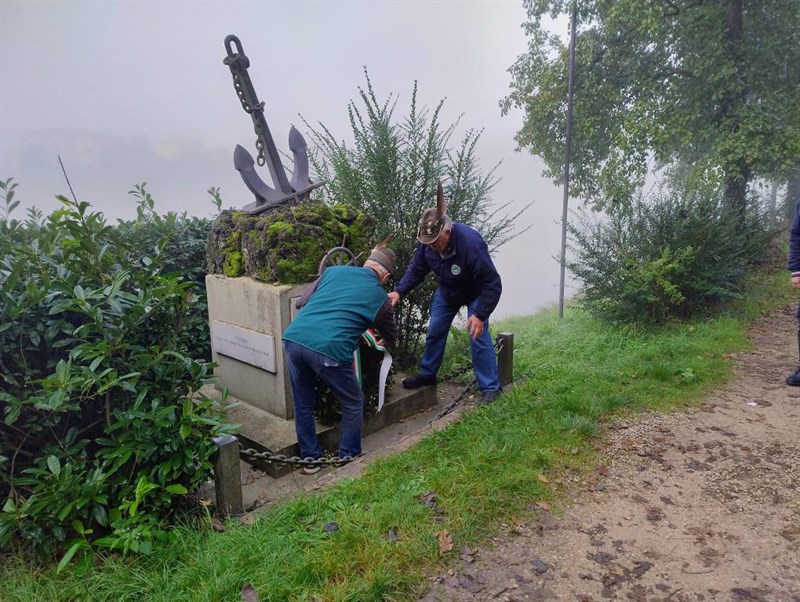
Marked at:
<point>451,406</point>
<point>270,456</point>
<point>498,347</point>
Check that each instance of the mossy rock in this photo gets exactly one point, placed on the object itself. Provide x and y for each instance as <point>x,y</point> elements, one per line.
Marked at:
<point>286,244</point>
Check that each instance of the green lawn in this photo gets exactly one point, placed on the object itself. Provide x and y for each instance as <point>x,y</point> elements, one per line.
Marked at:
<point>572,375</point>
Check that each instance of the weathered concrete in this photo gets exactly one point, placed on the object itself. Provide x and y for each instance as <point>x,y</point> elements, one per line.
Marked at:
<point>226,476</point>
<point>260,490</point>
<point>261,309</point>
<point>263,431</point>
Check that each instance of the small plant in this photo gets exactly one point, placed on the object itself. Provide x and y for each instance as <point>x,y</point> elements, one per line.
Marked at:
<point>7,190</point>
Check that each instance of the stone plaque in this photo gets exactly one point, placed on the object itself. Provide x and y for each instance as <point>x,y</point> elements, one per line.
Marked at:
<point>243,344</point>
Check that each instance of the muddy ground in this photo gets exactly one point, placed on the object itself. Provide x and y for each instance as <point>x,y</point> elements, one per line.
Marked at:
<point>698,506</point>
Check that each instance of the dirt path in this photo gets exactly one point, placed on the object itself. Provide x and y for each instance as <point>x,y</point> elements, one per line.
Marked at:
<point>700,506</point>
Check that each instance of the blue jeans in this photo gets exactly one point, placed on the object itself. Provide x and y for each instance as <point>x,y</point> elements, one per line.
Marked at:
<point>484,360</point>
<point>304,366</point>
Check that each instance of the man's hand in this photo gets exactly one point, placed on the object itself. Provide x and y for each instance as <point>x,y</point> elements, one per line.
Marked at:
<point>796,281</point>
<point>475,326</point>
<point>394,297</point>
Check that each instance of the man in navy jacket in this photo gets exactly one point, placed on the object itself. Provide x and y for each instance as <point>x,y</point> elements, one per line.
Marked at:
<point>459,259</point>
<point>794,268</point>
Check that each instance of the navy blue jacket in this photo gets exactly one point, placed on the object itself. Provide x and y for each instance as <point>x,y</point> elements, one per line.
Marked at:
<point>794,243</point>
<point>464,272</point>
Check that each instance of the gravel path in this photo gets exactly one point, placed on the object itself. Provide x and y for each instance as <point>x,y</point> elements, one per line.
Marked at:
<point>698,506</point>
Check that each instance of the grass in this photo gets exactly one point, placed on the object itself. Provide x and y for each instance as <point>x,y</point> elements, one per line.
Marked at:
<point>491,467</point>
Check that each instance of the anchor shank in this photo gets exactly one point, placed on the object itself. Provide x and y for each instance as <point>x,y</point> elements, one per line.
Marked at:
<point>238,64</point>
<point>274,164</point>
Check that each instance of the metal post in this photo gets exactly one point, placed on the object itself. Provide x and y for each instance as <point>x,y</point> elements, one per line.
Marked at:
<point>505,358</point>
<point>227,476</point>
<point>567,156</point>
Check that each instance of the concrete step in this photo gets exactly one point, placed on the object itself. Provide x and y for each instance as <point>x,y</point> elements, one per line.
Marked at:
<point>261,431</point>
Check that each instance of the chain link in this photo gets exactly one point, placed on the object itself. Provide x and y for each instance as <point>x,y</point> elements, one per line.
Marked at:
<point>260,142</point>
<point>451,406</point>
<point>269,456</point>
<point>498,347</point>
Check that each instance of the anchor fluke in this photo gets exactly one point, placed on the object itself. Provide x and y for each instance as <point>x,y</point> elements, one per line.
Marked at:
<point>245,165</point>
<point>297,144</point>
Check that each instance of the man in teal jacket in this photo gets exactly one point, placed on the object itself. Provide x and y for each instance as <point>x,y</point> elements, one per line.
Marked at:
<point>344,303</point>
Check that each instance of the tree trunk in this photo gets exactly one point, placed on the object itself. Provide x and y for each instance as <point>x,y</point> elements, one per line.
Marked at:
<point>737,178</point>
<point>792,191</point>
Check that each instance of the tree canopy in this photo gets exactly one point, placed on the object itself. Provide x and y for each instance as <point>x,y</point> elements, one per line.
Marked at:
<point>709,84</point>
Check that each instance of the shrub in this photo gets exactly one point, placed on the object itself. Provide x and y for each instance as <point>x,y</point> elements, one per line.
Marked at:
<point>390,173</point>
<point>101,430</point>
<point>666,257</point>
<point>183,254</point>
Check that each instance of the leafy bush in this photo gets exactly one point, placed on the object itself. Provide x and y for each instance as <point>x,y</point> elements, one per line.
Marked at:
<point>390,172</point>
<point>183,254</point>
<point>667,257</point>
<point>102,431</point>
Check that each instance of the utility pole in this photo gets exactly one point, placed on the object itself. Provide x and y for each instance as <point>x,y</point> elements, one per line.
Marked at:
<point>567,156</point>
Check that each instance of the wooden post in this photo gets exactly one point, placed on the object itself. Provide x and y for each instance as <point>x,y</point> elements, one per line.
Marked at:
<point>227,476</point>
<point>505,358</point>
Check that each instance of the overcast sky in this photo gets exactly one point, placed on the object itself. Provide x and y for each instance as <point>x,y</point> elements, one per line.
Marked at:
<point>136,91</point>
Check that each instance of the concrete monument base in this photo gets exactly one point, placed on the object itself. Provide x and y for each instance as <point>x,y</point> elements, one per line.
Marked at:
<point>262,431</point>
<point>247,319</point>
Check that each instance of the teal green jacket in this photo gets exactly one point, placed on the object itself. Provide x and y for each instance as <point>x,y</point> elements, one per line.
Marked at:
<point>347,300</point>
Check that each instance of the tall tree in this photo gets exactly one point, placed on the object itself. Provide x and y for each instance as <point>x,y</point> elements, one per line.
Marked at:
<point>390,171</point>
<point>712,84</point>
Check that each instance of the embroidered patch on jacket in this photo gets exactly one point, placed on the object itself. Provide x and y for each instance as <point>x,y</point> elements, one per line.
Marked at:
<point>456,269</point>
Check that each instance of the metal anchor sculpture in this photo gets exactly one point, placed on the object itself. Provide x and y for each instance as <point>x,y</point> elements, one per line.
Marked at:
<point>300,186</point>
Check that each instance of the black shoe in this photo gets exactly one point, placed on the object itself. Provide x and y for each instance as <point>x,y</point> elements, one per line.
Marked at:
<point>794,379</point>
<point>488,397</point>
<point>420,380</point>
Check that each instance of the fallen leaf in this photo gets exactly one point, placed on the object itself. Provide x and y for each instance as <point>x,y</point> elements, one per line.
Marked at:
<point>445,542</point>
<point>466,550</point>
<point>249,594</point>
<point>217,525</point>
<point>247,520</point>
<point>543,478</point>
<point>540,566</point>
<point>428,499</point>
<point>791,532</point>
